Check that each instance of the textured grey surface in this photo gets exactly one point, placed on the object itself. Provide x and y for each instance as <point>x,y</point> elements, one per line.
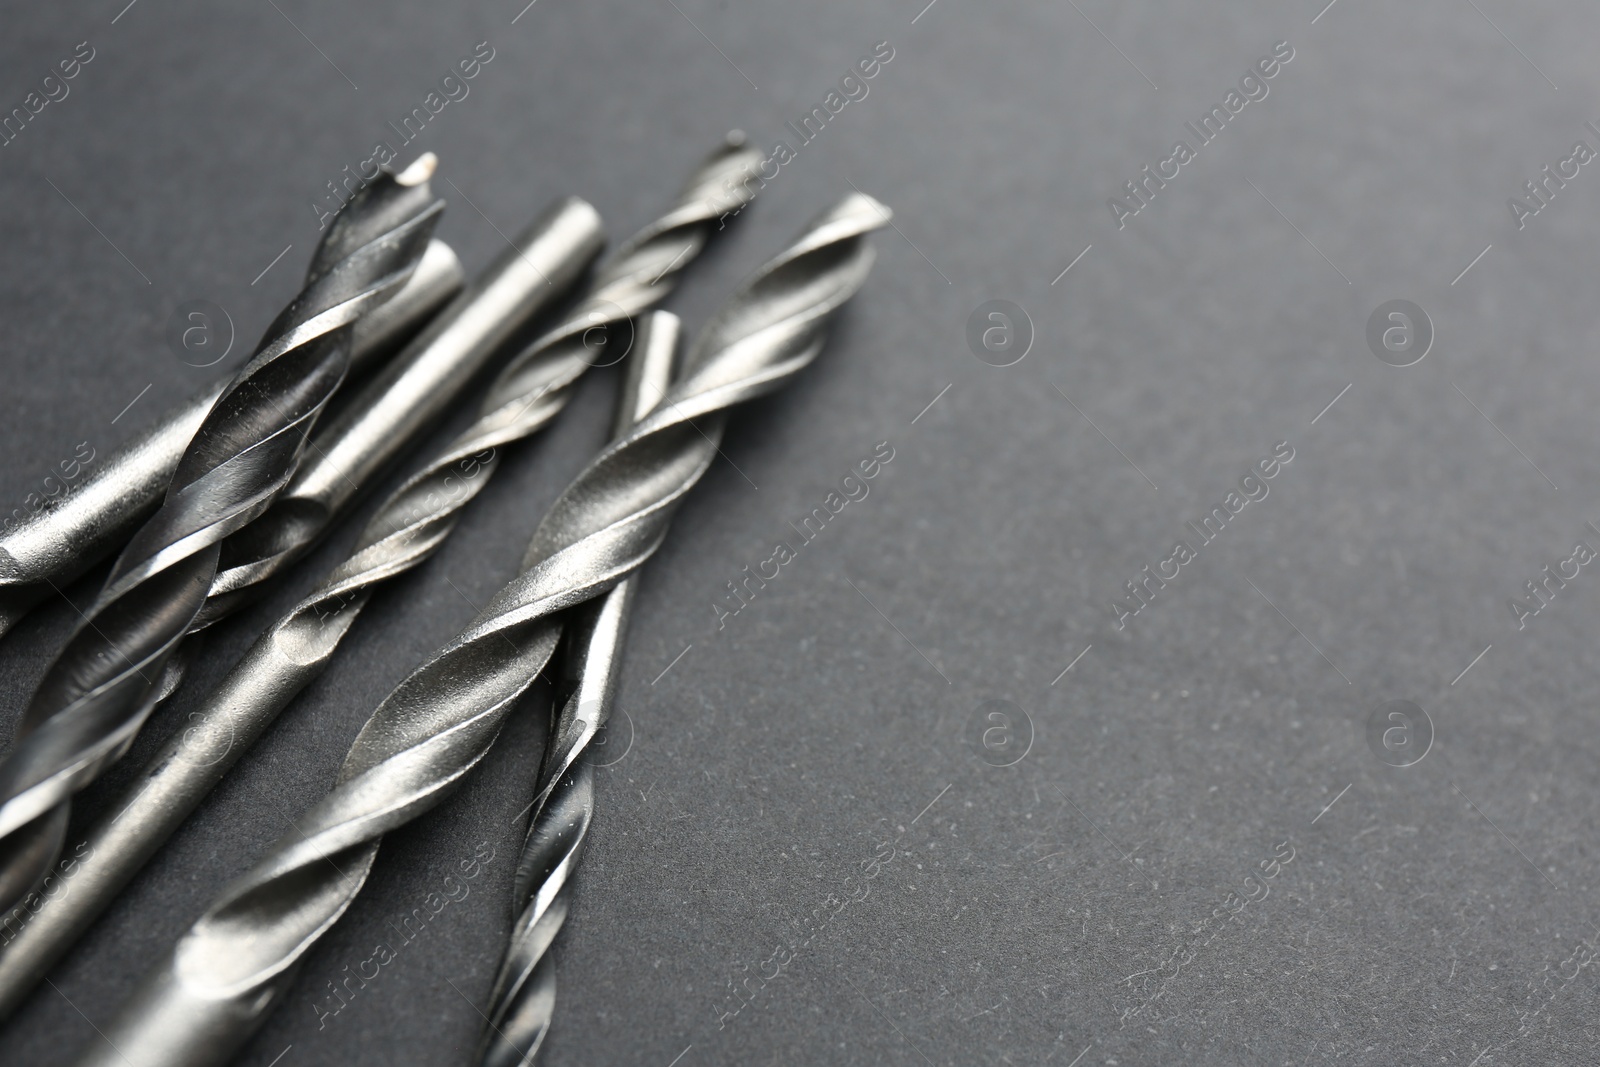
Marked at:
<point>768,763</point>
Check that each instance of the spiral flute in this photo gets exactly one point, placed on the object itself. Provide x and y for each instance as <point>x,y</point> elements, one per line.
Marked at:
<point>523,1000</point>
<point>406,529</point>
<point>100,689</point>
<point>233,964</point>
<point>530,392</point>
<point>44,551</point>
<point>527,395</point>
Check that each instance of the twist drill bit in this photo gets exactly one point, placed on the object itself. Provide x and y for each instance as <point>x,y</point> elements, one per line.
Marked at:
<point>388,413</point>
<point>405,530</point>
<point>101,687</point>
<point>50,548</point>
<point>525,397</point>
<point>523,1000</point>
<point>217,985</point>
<point>400,404</point>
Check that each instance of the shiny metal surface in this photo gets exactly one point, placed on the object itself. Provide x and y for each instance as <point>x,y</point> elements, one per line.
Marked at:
<point>387,328</point>
<point>523,1000</point>
<point>79,529</point>
<point>232,966</point>
<point>100,689</point>
<point>406,397</point>
<point>405,530</point>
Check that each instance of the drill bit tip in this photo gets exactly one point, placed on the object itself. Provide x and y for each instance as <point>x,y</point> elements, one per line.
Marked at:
<point>420,170</point>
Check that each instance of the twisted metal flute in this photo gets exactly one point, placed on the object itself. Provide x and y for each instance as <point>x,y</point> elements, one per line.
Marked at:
<point>101,687</point>
<point>526,396</point>
<point>227,971</point>
<point>405,399</point>
<point>523,1000</point>
<point>389,412</point>
<point>406,529</point>
<point>76,530</point>
<point>374,426</point>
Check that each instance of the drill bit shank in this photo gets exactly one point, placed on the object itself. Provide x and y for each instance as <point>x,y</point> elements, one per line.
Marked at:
<point>405,399</point>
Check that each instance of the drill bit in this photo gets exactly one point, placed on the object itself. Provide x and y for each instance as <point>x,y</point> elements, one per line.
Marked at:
<point>432,370</point>
<point>527,396</point>
<point>400,404</point>
<point>404,400</point>
<point>231,967</point>
<point>523,1000</point>
<point>76,530</point>
<point>102,685</point>
<point>405,530</point>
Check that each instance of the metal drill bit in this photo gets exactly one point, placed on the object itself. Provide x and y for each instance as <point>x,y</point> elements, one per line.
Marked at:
<point>405,530</point>
<point>523,1000</point>
<point>400,404</point>
<point>231,967</point>
<point>46,550</point>
<point>101,687</point>
<point>526,396</point>
<point>397,406</point>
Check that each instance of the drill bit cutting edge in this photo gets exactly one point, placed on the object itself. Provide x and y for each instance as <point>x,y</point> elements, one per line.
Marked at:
<point>405,530</point>
<point>78,529</point>
<point>102,685</point>
<point>231,967</point>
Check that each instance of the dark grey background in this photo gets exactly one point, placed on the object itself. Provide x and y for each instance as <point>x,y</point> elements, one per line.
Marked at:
<point>1431,915</point>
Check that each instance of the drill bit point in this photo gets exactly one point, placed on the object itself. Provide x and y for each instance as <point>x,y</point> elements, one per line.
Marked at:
<point>420,170</point>
<point>859,200</point>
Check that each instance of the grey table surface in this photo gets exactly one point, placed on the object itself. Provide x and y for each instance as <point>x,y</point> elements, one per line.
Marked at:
<point>1072,906</point>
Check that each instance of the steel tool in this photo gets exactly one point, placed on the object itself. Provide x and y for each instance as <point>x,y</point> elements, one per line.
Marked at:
<point>388,413</point>
<point>232,966</point>
<point>44,551</point>
<point>405,399</point>
<point>405,530</point>
<point>523,1000</point>
<point>102,685</point>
